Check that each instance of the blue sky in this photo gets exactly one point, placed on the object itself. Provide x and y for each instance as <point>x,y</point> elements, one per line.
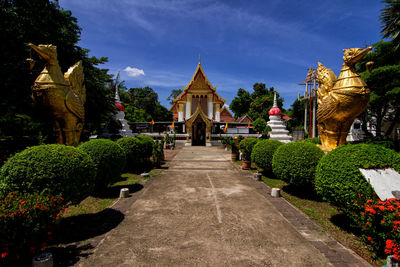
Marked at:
<point>157,43</point>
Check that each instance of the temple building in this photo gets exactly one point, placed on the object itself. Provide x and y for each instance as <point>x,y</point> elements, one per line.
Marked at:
<point>198,107</point>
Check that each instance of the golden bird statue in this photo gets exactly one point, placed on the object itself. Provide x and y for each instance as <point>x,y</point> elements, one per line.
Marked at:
<point>64,95</point>
<point>340,100</point>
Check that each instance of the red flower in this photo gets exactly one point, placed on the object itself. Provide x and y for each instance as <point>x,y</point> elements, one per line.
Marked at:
<point>370,239</point>
<point>4,254</point>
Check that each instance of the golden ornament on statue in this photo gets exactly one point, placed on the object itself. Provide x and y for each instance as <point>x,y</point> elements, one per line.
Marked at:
<point>63,94</point>
<point>340,100</point>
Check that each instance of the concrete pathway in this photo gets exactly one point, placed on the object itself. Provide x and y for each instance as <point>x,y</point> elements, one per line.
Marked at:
<point>202,211</point>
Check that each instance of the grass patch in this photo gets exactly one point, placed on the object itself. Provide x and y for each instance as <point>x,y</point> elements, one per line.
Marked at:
<point>327,216</point>
<point>100,201</point>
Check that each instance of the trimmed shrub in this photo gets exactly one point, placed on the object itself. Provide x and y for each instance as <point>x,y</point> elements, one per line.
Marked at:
<point>147,145</point>
<point>246,147</point>
<point>295,163</point>
<point>133,150</point>
<point>263,153</point>
<point>339,179</point>
<point>313,140</point>
<point>51,169</point>
<point>26,223</point>
<point>109,158</point>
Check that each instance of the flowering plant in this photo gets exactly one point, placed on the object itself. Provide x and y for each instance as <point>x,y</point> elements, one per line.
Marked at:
<point>26,222</point>
<point>380,222</point>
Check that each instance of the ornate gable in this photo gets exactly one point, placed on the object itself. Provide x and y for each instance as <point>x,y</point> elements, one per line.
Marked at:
<point>200,85</point>
<point>196,114</point>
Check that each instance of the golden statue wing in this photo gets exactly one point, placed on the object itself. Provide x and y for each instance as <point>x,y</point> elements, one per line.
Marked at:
<point>75,105</point>
<point>328,106</point>
<point>75,78</point>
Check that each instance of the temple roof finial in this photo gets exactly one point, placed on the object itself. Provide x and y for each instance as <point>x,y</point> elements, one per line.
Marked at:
<point>275,102</point>
<point>199,59</point>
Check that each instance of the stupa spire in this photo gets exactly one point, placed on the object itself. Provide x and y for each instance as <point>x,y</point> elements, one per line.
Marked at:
<point>117,99</point>
<point>275,102</point>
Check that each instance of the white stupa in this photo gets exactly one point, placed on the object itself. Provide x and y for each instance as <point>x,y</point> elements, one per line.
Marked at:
<point>278,128</point>
<point>125,130</point>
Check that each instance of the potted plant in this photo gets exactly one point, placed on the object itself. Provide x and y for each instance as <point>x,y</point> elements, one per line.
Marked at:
<point>158,153</point>
<point>235,149</point>
<point>246,147</point>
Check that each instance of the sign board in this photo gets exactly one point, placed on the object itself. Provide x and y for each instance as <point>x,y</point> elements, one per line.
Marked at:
<point>141,126</point>
<point>385,182</point>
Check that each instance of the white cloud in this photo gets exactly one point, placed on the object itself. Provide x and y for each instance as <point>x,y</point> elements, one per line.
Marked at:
<point>134,72</point>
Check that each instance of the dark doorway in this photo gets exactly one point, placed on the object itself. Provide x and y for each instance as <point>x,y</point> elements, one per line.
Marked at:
<point>199,133</point>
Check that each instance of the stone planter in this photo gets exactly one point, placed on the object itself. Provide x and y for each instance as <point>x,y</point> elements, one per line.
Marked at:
<point>246,164</point>
<point>43,260</point>
<point>257,176</point>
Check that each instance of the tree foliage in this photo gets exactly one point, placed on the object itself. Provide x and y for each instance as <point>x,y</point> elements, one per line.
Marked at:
<point>240,104</point>
<point>174,94</point>
<point>257,104</point>
<point>259,125</point>
<point>384,83</point>
<point>296,112</point>
<point>390,18</point>
<point>142,105</point>
<point>43,22</point>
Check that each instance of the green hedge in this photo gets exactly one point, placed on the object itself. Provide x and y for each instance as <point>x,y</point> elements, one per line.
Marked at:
<point>295,163</point>
<point>132,147</point>
<point>263,153</point>
<point>313,140</point>
<point>147,145</point>
<point>109,158</point>
<point>51,169</point>
<point>246,147</point>
<point>339,179</point>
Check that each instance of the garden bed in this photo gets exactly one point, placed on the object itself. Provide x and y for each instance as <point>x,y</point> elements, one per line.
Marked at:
<point>327,216</point>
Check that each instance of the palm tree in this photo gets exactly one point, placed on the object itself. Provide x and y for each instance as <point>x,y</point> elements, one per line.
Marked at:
<point>390,18</point>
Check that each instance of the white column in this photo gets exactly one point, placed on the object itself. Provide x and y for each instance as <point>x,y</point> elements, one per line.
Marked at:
<point>210,106</point>
<point>217,113</point>
<point>180,112</point>
<point>314,130</point>
<point>188,107</point>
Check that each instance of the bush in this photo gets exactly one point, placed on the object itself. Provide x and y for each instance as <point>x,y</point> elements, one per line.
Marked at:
<point>295,163</point>
<point>26,222</point>
<point>147,145</point>
<point>263,153</point>
<point>380,222</point>
<point>109,158</point>
<point>259,124</point>
<point>339,179</point>
<point>314,140</point>
<point>133,149</point>
<point>51,169</point>
<point>246,147</point>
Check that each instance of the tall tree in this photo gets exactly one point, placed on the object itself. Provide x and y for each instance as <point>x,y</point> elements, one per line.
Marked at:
<point>296,112</point>
<point>384,83</point>
<point>240,104</point>
<point>174,94</point>
<point>43,22</point>
<point>257,104</point>
<point>390,18</point>
<point>143,105</point>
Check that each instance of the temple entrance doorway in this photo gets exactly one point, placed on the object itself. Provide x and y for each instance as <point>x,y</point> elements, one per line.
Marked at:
<point>199,133</point>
